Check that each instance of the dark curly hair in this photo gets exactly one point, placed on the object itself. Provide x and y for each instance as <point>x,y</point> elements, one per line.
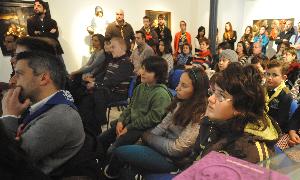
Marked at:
<point>248,96</point>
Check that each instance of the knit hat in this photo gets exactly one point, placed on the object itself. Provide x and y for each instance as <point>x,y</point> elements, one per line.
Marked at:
<point>229,54</point>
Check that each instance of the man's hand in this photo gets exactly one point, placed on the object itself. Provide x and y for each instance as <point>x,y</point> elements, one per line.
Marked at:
<point>53,30</point>
<point>11,104</point>
<point>37,32</point>
<point>119,128</point>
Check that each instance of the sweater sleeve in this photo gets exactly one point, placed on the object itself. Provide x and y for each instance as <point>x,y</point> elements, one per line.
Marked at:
<point>265,41</point>
<point>51,133</point>
<point>10,124</point>
<point>87,67</point>
<point>97,63</point>
<point>148,52</point>
<point>125,116</point>
<point>160,101</point>
<point>161,128</point>
<point>30,28</point>
<point>176,147</point>
<point>52,25</point>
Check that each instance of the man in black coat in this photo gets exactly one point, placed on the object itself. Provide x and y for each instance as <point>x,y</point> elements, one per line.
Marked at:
<point>286,35</point>
<point>42,25</point>
<point>163,32</point>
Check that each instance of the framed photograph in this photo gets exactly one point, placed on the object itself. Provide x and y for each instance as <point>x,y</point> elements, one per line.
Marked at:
<point>274,26</point>
<point>154,14</point>
<point>13,22</point>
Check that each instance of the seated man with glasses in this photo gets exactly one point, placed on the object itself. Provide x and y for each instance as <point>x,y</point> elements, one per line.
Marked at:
<point>278,98</point>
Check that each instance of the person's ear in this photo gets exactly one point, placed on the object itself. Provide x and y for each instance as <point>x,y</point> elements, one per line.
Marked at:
<point>284,77</point>
<point>45,78</point>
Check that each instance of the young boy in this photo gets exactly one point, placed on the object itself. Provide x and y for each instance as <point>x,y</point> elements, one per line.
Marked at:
<point>278,97</point>
<point>204,56</point>
<point>146,109</point>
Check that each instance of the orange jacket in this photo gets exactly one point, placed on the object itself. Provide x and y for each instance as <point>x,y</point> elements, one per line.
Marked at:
<point>176,40</point>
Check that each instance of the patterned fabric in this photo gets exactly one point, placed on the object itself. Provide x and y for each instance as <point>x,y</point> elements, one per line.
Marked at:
<point>295,90</point>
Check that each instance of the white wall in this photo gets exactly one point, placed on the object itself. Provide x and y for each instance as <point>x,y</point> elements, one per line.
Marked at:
<point>5,68</point>
<point>231,11</point>
<point>73,16</point>
<point>265,9</point>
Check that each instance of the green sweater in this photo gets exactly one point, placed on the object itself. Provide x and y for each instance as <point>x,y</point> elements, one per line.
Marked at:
<point>147,107</point>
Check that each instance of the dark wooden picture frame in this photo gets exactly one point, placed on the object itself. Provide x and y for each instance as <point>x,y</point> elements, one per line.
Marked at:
<point>154,15</point>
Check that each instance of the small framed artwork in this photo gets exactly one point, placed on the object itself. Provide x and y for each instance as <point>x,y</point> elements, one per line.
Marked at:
<point>154,15</point>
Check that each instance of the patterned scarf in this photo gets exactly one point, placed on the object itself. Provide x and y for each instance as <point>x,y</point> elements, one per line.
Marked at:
<point>275,94</point>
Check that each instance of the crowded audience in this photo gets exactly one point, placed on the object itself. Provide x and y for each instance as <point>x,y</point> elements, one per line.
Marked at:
<point>234,99</point>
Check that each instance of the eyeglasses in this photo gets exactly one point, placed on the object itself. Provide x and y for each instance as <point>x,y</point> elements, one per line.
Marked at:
<point>272,75</point>
<point>219,95</point>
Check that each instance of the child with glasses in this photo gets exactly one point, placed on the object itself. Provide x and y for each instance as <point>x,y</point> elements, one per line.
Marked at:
<point>236,123</point>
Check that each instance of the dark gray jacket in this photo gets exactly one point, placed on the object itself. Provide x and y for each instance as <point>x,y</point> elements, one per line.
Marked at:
<point>50,139</point>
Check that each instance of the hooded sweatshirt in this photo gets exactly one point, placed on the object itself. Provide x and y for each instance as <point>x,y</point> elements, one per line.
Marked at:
<point>253,144</point>
<point>147,107</point>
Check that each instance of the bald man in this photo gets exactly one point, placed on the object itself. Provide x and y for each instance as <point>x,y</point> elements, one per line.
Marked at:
<point>122,29</point>
<point>286,35</point>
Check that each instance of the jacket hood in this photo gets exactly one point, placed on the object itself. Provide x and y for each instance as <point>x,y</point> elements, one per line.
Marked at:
<point>158,86</point>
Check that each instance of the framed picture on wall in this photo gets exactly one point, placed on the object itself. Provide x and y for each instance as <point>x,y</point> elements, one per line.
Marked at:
<point>274,26</point>
<point>13,23</point>
<point>154,15</point>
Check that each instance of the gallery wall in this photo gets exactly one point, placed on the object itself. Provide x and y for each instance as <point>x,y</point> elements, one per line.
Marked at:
<point>73,16</point>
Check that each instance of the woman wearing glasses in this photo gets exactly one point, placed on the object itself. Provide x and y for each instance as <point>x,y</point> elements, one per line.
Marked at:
<point>236,123</point>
